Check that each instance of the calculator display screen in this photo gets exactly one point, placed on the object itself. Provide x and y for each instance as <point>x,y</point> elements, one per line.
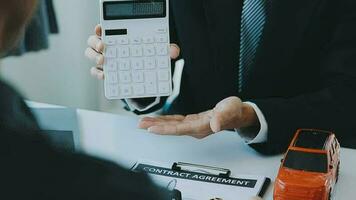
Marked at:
<point>135,9</point>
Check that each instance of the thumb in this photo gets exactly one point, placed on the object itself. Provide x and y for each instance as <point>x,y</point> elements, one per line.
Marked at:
<point>216,121</point>
<point>174,51</point>
<point>98,30</point>
<point>225,113</point>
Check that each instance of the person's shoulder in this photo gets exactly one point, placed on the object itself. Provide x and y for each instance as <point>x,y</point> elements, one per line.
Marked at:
<point>14,111</point>
<point>104,178</point>
<point>6,90</point>
<point>10,99</point>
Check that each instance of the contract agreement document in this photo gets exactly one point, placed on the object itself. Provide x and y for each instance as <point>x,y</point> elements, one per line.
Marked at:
<point>200,184</point>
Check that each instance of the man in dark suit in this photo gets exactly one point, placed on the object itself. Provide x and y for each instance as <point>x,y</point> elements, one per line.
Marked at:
<point>30,168</point>
<point>287,64</point>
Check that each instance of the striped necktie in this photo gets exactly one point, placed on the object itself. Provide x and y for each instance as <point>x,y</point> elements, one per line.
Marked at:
<point>254,13</point>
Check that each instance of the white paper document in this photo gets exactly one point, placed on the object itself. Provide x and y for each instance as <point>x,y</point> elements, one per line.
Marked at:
<point>200,185</point>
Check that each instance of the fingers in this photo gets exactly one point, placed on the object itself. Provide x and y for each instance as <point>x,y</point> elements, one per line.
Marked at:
<point>165,117</point>
<point>172,117</point>
<point>95,43</point>
<point>256,198</point>
<point>94,52</point>
<point>97,73</point>
<point>193,125</point>
<point>147,122</point>
<point>178,129</point>
<point>98,30</point>
<point>95,56</point>
<point>165,125</point>
<point>174,51</point>
<point>196,125</point>
<point>182,128</point>
<point>148,119</point>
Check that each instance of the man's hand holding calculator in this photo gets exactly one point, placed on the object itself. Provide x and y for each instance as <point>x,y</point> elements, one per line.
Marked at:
<point>200,125</point>
<point>133,57</point>
<point>96,49</point>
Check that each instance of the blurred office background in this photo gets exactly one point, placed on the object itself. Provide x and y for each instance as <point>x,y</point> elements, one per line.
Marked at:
<point>60,74</point>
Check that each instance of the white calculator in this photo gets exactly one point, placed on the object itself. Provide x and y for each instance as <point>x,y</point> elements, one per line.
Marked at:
<point>137,58</point>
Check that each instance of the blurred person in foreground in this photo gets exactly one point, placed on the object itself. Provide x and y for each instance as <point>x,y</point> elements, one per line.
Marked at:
<point>30,168</point>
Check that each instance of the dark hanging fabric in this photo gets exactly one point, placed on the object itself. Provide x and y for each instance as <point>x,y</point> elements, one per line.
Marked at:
<point>43,24</point>
<point>52,18</point>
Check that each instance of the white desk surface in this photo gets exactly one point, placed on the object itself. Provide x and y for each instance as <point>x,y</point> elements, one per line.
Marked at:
<point>117,138</point>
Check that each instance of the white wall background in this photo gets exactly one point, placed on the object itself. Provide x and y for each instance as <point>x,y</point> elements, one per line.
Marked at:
<point>60,75</point>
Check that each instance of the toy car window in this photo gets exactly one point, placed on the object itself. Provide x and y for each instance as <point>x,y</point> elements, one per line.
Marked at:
<point>311,139</point>
<point>312,162</point>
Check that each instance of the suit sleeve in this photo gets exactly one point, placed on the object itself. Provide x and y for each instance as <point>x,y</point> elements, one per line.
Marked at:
<point>30,165</point>
<point>332,107</point>
<point>172,27</point>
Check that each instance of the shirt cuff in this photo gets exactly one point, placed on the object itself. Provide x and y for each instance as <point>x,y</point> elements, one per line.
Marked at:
<point>133,106</point>
<point>255,136</point>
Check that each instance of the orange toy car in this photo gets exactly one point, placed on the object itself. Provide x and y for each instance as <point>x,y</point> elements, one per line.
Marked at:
<point>310,168</point>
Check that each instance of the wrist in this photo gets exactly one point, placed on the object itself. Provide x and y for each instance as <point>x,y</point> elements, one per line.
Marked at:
<point>249,115</point>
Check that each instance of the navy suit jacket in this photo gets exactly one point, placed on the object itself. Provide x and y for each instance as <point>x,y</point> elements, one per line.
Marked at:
<point>304,75</point>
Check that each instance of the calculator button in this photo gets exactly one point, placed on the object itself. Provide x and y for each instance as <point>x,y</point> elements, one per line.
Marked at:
<point>161,30</point>
<point>149,50</point>
<point>151,82</point>
<point>137,76</point>
<point>110,41</point>
<point>139,89</point>
<point>124,64</point>
<point>113,91</point>
<point>124,52</point>
<point>163,62</point>
<point>112,78</point>
<point>150,63</point>
<point>125,77</point>
<point>151,88</point>
<point>123,41</point>
<point>150,77</point>
<point>164,88</point>
<point>111,52</point>
<point>163,75</point>
<point>136,51</point>
<point>161,39</point>
<point>136,40</point>
<point>148,40</point>
<point>162,49</point>
<point>111,65</point>
<point>126,90</point>
<point>137,63</point>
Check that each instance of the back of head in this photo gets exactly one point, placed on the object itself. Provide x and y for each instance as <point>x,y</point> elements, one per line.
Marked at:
<point>14,15</point>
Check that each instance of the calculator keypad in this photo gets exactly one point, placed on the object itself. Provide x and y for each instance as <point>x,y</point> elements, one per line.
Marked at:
<point>138,66</point>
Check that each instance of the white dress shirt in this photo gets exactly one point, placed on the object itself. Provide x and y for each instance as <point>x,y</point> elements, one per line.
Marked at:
<point>260,136</point>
